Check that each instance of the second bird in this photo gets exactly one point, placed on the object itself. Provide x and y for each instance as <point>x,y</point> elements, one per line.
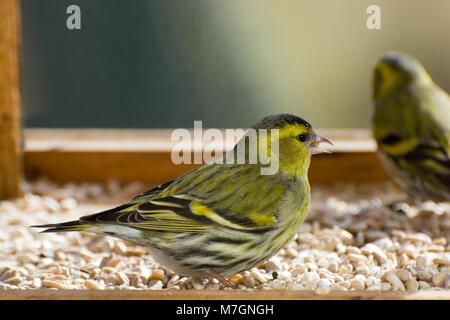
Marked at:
<point>411,125</point>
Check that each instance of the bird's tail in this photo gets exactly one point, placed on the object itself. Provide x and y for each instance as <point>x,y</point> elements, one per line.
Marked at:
<point>65,226</point>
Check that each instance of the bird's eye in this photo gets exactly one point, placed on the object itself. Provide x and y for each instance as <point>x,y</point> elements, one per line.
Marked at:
<point>303,137</point>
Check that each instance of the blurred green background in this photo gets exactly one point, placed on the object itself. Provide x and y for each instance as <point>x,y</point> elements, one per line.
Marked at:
<point>161,63</point>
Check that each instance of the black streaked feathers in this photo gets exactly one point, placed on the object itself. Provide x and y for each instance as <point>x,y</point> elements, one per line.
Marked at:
<point>146,212</point>
<point>174,212</point>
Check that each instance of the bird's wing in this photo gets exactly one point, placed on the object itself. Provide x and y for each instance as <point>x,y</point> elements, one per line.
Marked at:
<point>418,139</point>
<point>433,150</point>
<point>416,120</point>
<point>437,118</point>
<point>203,198</point>
<point>181,213</point>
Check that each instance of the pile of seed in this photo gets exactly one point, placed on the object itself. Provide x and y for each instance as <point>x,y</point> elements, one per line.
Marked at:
<point>350,241</point>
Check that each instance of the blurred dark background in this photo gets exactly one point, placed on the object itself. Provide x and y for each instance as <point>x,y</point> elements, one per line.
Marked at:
<point>158,63</point>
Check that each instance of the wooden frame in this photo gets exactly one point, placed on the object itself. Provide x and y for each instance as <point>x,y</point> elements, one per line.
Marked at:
<point>45,294</point>
<point>145,155</point>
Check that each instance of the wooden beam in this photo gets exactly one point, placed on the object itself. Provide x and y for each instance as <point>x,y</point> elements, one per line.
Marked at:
<point>100,155</point>
<point>46,294</point>
<point>10,128</point>
<point>157,140</point>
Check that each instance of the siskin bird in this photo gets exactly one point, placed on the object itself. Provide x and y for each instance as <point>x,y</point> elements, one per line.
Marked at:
<point>411,125</point>
<point>219,219</point>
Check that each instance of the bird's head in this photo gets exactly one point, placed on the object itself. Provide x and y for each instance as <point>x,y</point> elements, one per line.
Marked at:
<point>296,142</point>
<point>394,70</point>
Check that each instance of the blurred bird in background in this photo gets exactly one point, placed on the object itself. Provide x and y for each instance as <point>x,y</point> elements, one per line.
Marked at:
<point>411,125</point>
<point>219,219</point>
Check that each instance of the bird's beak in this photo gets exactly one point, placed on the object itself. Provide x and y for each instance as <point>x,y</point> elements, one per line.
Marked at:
<point>315,145</point>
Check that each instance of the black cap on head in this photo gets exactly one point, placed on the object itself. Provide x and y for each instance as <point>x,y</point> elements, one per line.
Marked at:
<point>403,63</point>
<point>279,120</point>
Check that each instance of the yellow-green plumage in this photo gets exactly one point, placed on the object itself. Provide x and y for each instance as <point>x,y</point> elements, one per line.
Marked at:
<point>219,219</point>
<point>411,124</point>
